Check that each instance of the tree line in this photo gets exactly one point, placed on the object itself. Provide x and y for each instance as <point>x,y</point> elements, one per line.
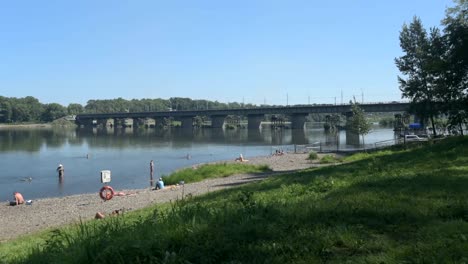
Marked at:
<point>29,109</point>
<point>434,68</point>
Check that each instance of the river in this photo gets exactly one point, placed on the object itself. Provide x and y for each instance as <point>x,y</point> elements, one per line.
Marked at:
<point>29,157</point>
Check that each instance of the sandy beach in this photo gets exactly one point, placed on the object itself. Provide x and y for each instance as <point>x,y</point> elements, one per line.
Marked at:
<point>54,212</point>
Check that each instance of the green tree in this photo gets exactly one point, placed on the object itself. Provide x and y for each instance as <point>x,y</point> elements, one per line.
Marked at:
<point>332,122</point>
<point>358,123</point>
<point>456,32</point>
<point>5,110</point>
<point>421,64</point>
<point>75,109</point>
<point>20,112</point>
<point>53,111</point>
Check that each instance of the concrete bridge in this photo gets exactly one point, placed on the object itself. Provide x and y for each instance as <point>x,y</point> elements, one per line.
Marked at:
<point>254,115</point>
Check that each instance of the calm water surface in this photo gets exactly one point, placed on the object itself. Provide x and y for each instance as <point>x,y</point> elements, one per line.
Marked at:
<point>36,153</point>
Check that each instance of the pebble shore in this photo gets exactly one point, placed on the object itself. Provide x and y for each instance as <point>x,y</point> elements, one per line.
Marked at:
<point>55,212</point>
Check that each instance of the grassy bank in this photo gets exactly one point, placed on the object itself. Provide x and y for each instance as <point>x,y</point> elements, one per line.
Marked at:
<point>208,171</point>
<point>393,206</point>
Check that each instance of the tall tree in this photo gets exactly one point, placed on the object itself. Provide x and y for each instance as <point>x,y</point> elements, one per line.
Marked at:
<point>5,110</point>
<point>456,32</point>
<point>421,66</point>
<point>358,123</point>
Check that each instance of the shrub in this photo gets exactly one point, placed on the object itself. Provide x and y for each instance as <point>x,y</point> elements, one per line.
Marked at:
<point>313,155</point>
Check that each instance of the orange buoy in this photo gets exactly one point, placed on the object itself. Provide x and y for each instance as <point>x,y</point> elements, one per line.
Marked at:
<point>106,193</point>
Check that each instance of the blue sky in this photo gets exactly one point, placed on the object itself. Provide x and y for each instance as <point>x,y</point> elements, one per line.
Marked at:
<point>269,51</point>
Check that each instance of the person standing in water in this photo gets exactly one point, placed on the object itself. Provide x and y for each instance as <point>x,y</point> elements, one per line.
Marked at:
<point>60,170</point>
<point>151,172</point>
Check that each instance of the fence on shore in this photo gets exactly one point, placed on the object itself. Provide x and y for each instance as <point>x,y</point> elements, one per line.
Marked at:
<point>321,147</point>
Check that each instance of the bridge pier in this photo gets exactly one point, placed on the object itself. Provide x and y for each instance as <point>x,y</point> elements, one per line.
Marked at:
<point>254,121</point>
<point>101,123</point>
<point>123,122</point>
<point>138,122</point>
<point>86,123</point>
<point>149,122</point>
<point>351,137</point>
<point>217,121</point>
<point>108,122</point>
<point>158,122</point>
<point>298,121</point>
<point>187,122</point>
<point>144,122</point>
<point>128,122</point>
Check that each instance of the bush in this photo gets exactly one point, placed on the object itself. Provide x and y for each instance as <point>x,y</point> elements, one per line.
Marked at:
<point>313,155</point>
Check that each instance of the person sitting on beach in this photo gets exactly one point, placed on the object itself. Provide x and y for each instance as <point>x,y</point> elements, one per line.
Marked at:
<point>18,199</point>
<point>278,152</point>
<point>159,184</point>
<point>241,158</point>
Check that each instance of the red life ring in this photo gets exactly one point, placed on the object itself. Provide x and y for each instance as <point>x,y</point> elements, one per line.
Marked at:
<point>106,193</point>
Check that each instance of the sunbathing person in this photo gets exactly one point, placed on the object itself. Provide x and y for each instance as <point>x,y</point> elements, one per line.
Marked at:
<point>241,158</point>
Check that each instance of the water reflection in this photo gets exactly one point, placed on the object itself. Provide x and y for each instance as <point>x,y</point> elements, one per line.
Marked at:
<point>33,140</point>
<point>60,185</point>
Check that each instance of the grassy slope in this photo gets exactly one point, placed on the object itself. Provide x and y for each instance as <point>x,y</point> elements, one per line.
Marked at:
<point>392,206</point>
<point>212,171</point>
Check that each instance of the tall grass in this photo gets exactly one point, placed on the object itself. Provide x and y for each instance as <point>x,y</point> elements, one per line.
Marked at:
<point>328,159</point>
<point>398,206</point>
<point>212,171</point>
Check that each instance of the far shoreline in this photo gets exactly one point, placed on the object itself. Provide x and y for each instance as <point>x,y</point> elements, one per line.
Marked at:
<point>34,125</point>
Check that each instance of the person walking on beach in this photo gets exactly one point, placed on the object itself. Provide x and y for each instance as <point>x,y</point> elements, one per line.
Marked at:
<point>60,170</point>
<point>151,172</point>
<point>18,199</point>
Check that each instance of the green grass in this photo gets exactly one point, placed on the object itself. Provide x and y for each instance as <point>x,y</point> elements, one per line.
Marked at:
<point>394,206</point>
<point>328,159</point>
<point>208,171</point>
